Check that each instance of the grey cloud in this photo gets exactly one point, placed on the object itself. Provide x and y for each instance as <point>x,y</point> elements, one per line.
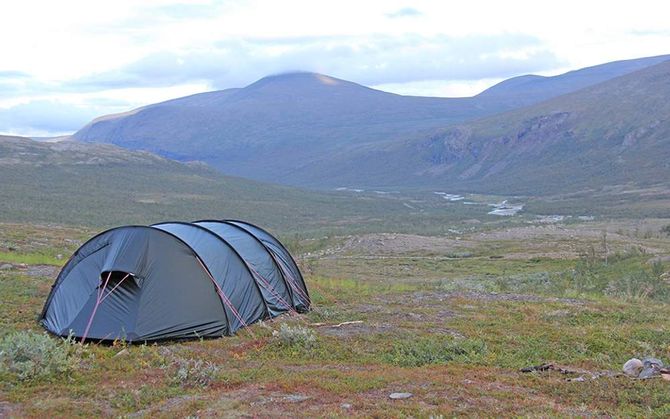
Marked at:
<point>369,60</point>
<point>14,83</point>
<point>45,116</point>
<point>404,12</point>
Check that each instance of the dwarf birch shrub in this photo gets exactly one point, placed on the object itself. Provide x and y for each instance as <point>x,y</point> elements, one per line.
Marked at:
<point>192,372</point>
<point>295,336</point>
<point>429,351</point>
<point>31,356</point>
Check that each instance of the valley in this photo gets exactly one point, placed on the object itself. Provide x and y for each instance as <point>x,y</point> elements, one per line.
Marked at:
<point>453,248</point>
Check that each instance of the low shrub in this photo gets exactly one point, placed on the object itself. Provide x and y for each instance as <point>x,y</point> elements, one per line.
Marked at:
<point>31,356</point>
<point>431,350</point>
<point>295,336</point>
<point>192,372</point>
<point>641,284</point>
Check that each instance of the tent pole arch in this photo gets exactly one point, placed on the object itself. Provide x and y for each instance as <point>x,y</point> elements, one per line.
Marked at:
<point>281,245</point>
<point>265,303</point>
<point>256,239</point>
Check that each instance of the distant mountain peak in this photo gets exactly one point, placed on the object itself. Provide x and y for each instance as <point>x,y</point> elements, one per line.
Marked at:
<point>299,78</point>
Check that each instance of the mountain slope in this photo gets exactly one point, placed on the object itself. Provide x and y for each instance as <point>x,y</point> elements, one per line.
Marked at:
<point>277,128</point>
<point>527,90</point>
<point>616,132</point>
<point>275,124</point>
<point>104,185</point>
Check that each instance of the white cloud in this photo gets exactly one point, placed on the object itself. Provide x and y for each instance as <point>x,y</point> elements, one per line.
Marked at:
<point>369,60</point>
<point>404,12</point>
<point>74,51</point>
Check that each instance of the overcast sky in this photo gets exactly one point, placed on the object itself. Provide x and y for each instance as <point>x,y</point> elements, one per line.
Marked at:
<point>65,62</point>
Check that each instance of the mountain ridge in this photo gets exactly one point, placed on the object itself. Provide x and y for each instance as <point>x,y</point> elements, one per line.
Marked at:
<point>615,132</point>
<point>283,127</point>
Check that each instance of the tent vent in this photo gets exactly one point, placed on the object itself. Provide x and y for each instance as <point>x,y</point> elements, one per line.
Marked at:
<point>114,279</point>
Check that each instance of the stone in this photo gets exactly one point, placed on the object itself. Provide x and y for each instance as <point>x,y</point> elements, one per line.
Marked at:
<point>400,396</point>
<point>632,367</point>
<point>651,368</point>
<point>345,405</point>
<point>6,267</point>
<point>647,362</point>
<point>648,373</point>
<point>122,352</point>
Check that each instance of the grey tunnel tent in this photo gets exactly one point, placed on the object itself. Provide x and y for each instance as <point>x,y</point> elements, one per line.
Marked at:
<point>174,280</point>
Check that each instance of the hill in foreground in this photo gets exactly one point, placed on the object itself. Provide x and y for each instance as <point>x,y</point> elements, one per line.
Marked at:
<point>103,185</point>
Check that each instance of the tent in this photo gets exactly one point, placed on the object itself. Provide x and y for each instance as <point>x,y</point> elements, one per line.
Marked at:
<point>174,280</point>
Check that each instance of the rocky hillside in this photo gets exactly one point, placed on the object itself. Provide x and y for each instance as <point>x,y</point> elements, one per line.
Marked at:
<point>617,132</point>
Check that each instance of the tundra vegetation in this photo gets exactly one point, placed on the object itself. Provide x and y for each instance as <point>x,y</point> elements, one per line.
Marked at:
<point>450,318</point>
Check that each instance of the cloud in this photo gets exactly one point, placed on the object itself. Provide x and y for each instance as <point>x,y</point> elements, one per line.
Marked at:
<point>14,82</point>
<point>370,60</point>
<point>45,117</point>
<point>404,12</point>
<point>182,10</point>
<point>373,60</point>
<point>650,32</point>
<point>12,74</point>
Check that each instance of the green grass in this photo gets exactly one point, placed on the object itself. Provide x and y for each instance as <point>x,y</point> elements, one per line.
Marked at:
<point>453,332</point>
<point>31,258</point>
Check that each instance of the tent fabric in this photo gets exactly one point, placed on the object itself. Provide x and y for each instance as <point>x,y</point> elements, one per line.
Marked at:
<point>171,280</point>
<point>265,271</point>
<point>283,259</point>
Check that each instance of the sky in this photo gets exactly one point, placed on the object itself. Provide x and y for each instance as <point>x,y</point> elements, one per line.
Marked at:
<point>65,62</point>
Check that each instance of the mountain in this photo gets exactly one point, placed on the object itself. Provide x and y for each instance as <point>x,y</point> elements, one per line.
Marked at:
<point>283,128</point>
<point>527,90</point>
<point>103,185</point>
<point>273,126</point>
<point>614,133</point>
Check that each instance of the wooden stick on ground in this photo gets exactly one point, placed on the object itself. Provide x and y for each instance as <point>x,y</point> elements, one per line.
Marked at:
<point>336,325</point>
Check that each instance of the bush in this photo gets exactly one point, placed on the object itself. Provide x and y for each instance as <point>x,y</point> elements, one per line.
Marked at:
<point>640,284</point>
<point>31,356</point>
<point>295,336</point>
<point>192,372</point>
<point>427,351</point>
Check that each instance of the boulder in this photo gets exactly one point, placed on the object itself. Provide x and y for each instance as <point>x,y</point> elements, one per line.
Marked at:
<point>632,367</point>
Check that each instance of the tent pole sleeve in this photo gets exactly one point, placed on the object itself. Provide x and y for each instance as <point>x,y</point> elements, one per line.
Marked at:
<point>223,297</point>
<point>270,288</point>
